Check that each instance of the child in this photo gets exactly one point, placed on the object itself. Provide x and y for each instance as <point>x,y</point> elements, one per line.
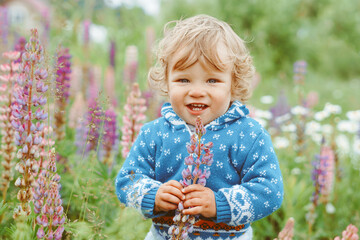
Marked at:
<point>205,70</point>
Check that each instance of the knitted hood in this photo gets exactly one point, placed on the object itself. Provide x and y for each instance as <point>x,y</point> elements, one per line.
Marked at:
<point>236,111</point>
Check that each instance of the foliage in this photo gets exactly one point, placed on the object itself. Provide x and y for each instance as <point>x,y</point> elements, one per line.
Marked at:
<point>323,33</point>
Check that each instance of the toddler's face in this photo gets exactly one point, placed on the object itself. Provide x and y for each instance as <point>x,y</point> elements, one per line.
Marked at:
<point>199,90</point>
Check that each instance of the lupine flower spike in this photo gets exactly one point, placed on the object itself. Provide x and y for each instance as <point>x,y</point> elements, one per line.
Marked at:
<point>350,233</point>
<point>110,138</point>
<point>288,231</point>
<point>323,178</point>
<point>28,116</point>
<point>132,119</point>
<point>48,203</point>
<point>7,147</point>
<point>196,172</point>
<point>62,90</point>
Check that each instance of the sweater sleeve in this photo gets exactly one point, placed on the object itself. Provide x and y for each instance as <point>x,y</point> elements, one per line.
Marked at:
<point>135,184</point>
<point>261,189</point>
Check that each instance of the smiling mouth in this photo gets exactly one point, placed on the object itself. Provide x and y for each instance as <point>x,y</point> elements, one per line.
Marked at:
<point>197,107</point>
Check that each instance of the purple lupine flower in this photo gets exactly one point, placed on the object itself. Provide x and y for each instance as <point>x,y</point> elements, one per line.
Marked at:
<point>132,119</point>
<point>7,146</point>
<point>94,117</point>
<point>20,47</point>
<point>28,113</point>
<point>111,136</point>
<point>280,112</point>
<point>299,71</point>
<point>196,172</point>
<point>62,90</point>
<point>48,203</point>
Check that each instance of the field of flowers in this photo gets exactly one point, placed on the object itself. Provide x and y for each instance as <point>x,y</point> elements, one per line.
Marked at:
<point>72,104</point>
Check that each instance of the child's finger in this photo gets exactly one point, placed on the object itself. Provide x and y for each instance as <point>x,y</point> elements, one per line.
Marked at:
<point>192,211</point>
<point>192,188</point>
<point>174,184</point>
<point>174,191</point>
<point>166,197</point>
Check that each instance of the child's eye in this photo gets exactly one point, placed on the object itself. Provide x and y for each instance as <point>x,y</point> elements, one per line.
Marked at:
<point>212,81</point>
<point>183,80</point>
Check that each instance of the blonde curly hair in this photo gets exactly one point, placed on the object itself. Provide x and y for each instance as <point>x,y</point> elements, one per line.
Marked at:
<point>197,38</point>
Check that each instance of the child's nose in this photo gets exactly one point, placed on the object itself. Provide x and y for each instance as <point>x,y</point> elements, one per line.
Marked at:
<point>197,91</point>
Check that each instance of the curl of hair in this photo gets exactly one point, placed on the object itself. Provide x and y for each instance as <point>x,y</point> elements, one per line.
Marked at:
<point>198,36</point>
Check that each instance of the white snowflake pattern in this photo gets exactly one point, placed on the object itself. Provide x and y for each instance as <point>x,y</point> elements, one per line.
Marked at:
<point>230,132</point>
<point>159,133</point>
<point>142,144</point>
<point>157,165</point>
<point>222,147</point>
<point>251,124</point>
<point>238,122</point>
<point>278,194</point>
<point>273,166</point>
<point>229,176</point>
<point>152,173</point>
<point>132,163</point>
<point>135,148</point>
<point>219,164</point>
<point>167,152</point>
<point>177,140</point>
<point>147,131</point>
<point>264,158</point>
<point>138,171</point>
<point>261,179</point>
<point>178,157</point>
<point>235,163</point>
<point>235,147</point>
<point>150,158</point>
<point>165,135</point>
<point>261,142</point>
<point>266,204</point>
<point>272,149</point>
<point>216,136</point>
<point>141,159</point>
<point>169,170</point>
<point>156,121</point>
<point>152,144</point>
<point>242,135</point>
<point>274,180</point>
<point>255,156</point>
<point>252,134</point>
<point>242,147</point>
<point>267,190</point>
<point>262,173</point>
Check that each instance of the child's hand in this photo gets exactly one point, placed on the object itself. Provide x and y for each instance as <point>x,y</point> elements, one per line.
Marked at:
<point>168,196</point>
<point>201,200</point>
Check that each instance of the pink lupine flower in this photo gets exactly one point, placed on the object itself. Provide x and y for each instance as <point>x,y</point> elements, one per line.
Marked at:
<point>7,147</point>
<point>110,138</point>
<point>194,173</point>
<point>48,203</point>
<point>288,231</point>
<point>350,233</point>
<point>131,64</point>
<point>62,90</point>
<point>87,24</point>
<point>132,119</point>
<point>110,86</point>
<point>28,113</point>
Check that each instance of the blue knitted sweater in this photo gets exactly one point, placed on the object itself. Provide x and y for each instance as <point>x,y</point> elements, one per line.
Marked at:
<point>245,175</point>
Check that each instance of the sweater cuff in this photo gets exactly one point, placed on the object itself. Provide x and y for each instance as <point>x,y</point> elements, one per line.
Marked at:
<point>223,210</point>
<point>148,203</point>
